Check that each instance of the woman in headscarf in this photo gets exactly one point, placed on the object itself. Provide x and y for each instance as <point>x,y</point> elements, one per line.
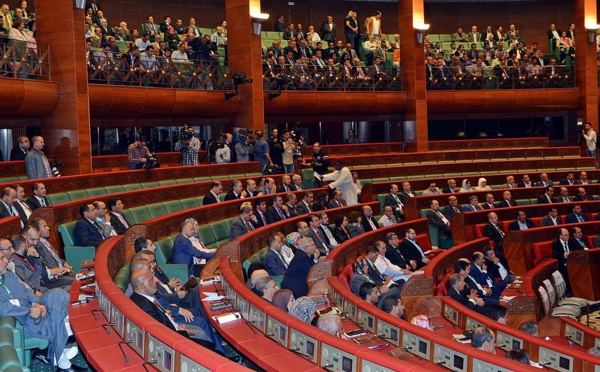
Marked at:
<point>482,185</point>
<point>284,299</point>
<point>360,275</point>
<point>422,321</point>
<point>290,245</point>
<point>304,309</point>
<point>466,186</point>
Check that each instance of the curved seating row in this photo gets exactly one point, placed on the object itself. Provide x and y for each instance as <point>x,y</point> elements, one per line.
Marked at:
<point>112,163</point>
<point>144,339</point>
<point>488,143</point>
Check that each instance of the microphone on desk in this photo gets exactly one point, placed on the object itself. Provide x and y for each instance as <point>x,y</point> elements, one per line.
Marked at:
<point>250,324</point>
<point>121,343</point>
<point>94,311</point>
<point>106,325</point>
<point>151,361</point>
<point>296,350</point>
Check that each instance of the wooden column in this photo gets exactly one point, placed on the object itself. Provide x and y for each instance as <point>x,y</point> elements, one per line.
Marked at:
<point>413,76</point>
<point>586,68</point>
<point>66,131</point>
<point>245,56</point>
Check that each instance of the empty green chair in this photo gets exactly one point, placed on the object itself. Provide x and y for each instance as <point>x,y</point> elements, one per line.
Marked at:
<point>173,206</point>
<point>157,210</point>
<point>208,236</point>
<point>96,191</point>
<point>148,185</point>
<point>221,231</point>
<point>140,214</point>
<point>166,183</point>
<point>77,194</point>
<point>114,189</point>
<point>132,186</point>
<point>189,203</point>
<point>59,197</point>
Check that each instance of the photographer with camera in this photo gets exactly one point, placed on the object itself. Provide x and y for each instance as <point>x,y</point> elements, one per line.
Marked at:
<point>223,152</point>
<point>261,152</point>
<point>590,139</point>
<point>289,149</point>
<point>138,153</point>
<point>189,146</point>
<point>245,145</point>
<point>276,150</point>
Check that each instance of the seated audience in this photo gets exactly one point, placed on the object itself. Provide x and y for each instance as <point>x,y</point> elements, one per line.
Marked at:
<point>331,323</point>
<point>465,297</point>
<point>274,262</point>
<point>576,215</point>
<point>393,306</point>
<point>355,227</point>
<point>189,250</point>
<point>530,327</point>
<point>242,224</point>
<point>212,196</point>
<point>340,232</point>
<point>521,223</point>
<point>484,340</point>
<point>295,277</point>
<point>87,231</point>
<point>304,309</point>
<point>388,218</point>
<point>283,299</point>
<point>412,250</point>
<point>266,288</point>
<point>551,219</point>
<point>39,198</point>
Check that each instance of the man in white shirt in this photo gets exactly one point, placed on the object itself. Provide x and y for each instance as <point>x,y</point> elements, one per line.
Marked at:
<point>387,268</point>
<point>388,218</point>
<point>590,139</point>
<point>103,219</point>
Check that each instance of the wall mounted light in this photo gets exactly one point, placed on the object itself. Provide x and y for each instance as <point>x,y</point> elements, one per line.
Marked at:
<point>421,30</point>
<point>257,21</point>
<point>592,28</point>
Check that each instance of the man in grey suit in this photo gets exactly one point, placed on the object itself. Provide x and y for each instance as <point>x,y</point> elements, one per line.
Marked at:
<point>241,224</point>
<point>47,252</point>
<point>551,219</point>
<point>316,234</point>
<point>36,162</point>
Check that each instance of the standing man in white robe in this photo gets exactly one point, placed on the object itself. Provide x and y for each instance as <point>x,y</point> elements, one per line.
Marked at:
<point>343,181</point>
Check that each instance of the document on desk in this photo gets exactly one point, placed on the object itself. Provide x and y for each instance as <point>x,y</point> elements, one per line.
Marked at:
<point>507,298</point>
<point>212,296</point>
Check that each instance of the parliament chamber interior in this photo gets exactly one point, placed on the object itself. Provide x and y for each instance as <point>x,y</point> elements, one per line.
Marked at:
<point>236,185</point>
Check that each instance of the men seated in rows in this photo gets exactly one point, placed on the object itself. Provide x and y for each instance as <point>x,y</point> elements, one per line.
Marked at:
<point>117,219</point>
<point>452,208</point>
<point>87,231</point>
<point>451,188</point>
<point>478,278</point>
<point>581,195</point>
<point>552,218</point>
<point>521,223</point>
<point>369,293</point>
<point>236,191</point>
<point>406,192</point>
<point>9,198</point>
<point>274,262</point>
<point>188,323</point>
<point>103,219</point>
<point>39,198</point>
<point>314,231</point>
<point>56,266</point>
<point>337,201</point>
<point>355,227</point>
<point>583,180</point>
<point>411,249</point>
<point>497,266</point>
<point>259,219</point>
<point>295,277</point>
<point>189,250</point>
<point>290,203</point>
<point>305,206</point>
<point>438,220</point>
<point>569,180</point>
<point>20,151</point>
<point>465,296</point>
<point>277,211</point>
<point>526,182</point>
<point>329,238</point>
<point>366,272</point>
<point>563,196</point>
<point>173,287</point>
<point>388,218</point>
<point>242,224</point>
<point>267,187</point>
<point>393,200</point>
<point>286,184</point>
<point>493,231</point>
<point>212,196</point>
<point>27,267</point>
<point>484,339</point>
<point>31,311</point>
<point>266,288</point>
<point>530,327</point>
<point>507,200</point>
<point>21,205</point>
<point>546,197</point>
<point>577,241</point>
<point>544,180</point>
<point>489,202</point>
<point>576,215</point>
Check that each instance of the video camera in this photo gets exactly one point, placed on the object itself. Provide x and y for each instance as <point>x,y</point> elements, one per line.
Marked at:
<point>54,168</point>
<point>151,162</point>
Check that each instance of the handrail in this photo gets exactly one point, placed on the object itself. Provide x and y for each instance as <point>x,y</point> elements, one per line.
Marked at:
<point>19,61</point>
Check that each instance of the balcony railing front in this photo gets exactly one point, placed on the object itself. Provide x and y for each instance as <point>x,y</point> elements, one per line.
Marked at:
<point>306,78</point>
<point>499,77</point>
<point>21,62</point>
<point>159,72</point>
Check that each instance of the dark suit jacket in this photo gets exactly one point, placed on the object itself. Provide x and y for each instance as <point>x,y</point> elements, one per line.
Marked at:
<point>504,204</point>
<point>4,211</point>
<point>295,276</point>
<point>302,209</point>
<point>397,258</point>
<point>272,215</point>
<point>492,233</point>
<point>149,308</point>
<point>449,211</point>
<point>487,206</point>
<point>547,221</point>
<point>340,235</point>
<point>446,190</point>
<point>273,263</point>
<point>322,228</point>
<point>367,225</point>
<point>230,196</point>
<point>209,198</point>
<point>514,226</point>
<point>579,198</point>
<point>390,201</point>
<point>436,221</point>
<point>281,188</point>
<point>463,299</point>
<point>558,252</point>
<point>494,270</point>
<point>574,245</point>
<point>543,199</point>
<point>571,218</point>
<point>470,208</point>
<point>322,245</point>
<point>35,204</point>
<point>86,234</point>
<point>21,211</point>
<point>564,181</point>
<point>17,154</point>
<point>355,231</point>
<point>237,228</point>
<point>118,225</point>
<point>260,222</point>
<point>540,183</point>
<point>292,210</point>
<point>411,252</point>
<point>333,204</point>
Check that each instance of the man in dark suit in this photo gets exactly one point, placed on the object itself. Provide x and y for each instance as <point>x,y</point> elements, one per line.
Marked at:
<point>47,252</point>
<point>451,188</point>
<point>20,151</point>
<point>577,241</point>
<point>235,192</point>
<point>305,205</point>
<point>563,196</point>
<point>21,205</point>
<point>279,24</point>
<point>295,276</point>
<point>412,250</point>
<point>368,221</point>
<point>507,200</point>
<point>117,219</point>
<point>546,197</point>
<point>277,211</point>
<point>473,205</point>
<point>479,274</point>
<point>394,253</point>
<point>290,204</point>
<point>494,232</point>
<point>242,224</point>
<point>320,240</point>
<point>544,180</point>
<point>329,30</point>
<point>87,231</point>
<point>286,184</point>
<point>259,219</point>
<point>497,266</point>
<point>39,198</point>
<point>489,202</point>
<point>525,181</point>
<point>337,201</point>
<point>9,198</point>
<point>471,299</point>
<point>189,250</point>
<point>581,195</point>
<point>438,220</point>
<point>552,218</point>
<point>452,208</point>
<point>393,200</point>
<point>521,223</point>
<point>560,251</point>
<point>570,180</point>
<point>576,216</point>
<point>326,230</point>
<point>274,262</point>
<point>212,197</point>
